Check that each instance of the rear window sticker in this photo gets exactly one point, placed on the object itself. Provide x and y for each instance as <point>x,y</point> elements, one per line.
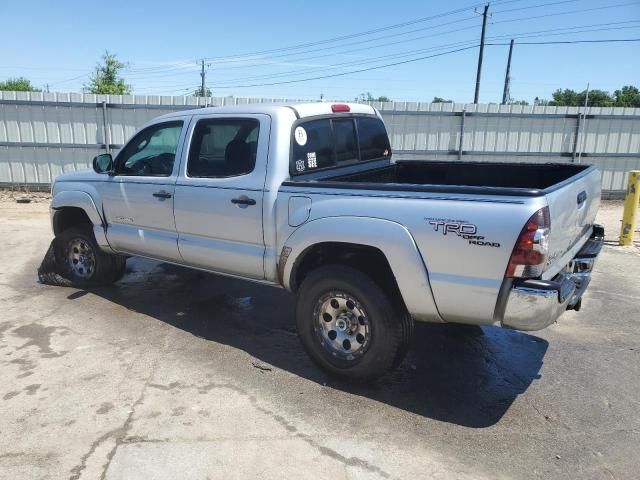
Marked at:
<point>300,135</point>
<point>312,162</point>
<point>300,165</point>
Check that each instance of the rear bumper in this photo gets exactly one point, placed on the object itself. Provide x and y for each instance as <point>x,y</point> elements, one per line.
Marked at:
<point>536,304</point>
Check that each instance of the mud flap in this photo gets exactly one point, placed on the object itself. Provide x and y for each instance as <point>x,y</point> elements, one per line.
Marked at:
<point>49,272</point>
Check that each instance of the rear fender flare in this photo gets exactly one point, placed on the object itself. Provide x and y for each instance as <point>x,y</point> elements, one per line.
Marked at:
<point>391,238</point>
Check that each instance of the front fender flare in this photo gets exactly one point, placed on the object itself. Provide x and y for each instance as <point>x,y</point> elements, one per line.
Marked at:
<point>391,238</point>
<point>82,200</point>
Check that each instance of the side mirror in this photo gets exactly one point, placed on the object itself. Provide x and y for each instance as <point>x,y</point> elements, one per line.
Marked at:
<point>103,163</point>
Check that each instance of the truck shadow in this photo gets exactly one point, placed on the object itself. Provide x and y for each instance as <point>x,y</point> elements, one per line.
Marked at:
<point>465,376</point>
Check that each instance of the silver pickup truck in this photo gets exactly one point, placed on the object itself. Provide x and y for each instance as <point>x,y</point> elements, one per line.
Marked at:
<point>308,197</point>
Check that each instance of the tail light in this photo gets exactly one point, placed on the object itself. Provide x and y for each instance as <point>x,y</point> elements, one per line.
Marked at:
<point>530,253</point>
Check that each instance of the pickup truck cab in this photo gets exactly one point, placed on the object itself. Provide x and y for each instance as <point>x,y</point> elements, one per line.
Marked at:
<point>308,197</point>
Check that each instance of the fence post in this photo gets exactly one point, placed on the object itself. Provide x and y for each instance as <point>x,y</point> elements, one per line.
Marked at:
<point>105,128</point>
<point>630,212</point>
<point>464,114</point>
<point>576,137</point>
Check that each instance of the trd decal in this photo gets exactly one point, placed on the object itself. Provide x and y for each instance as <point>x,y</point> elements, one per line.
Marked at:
<point>460,228</point>
<point>449,226</point>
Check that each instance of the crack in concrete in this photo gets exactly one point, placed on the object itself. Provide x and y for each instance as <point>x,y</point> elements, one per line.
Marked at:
<point>118,434</point>
<point>323,450</point>
<point>76,471</point>
<point>549,418</point>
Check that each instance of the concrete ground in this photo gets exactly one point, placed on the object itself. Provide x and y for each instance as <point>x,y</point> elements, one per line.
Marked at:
<point>176,374</point>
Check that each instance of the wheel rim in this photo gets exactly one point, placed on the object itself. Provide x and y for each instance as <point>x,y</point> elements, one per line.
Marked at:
<point>342,325</point>
<point>82,259</point>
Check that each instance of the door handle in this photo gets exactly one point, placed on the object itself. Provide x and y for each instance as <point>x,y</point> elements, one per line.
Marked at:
<point>162,194</point>
<point>243,200</point>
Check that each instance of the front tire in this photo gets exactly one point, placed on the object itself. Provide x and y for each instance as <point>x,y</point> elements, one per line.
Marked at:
<point>349,325</point>
<point>80,259</point>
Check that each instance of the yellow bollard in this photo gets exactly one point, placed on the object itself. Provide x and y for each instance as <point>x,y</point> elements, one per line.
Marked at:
<point>630,208</point>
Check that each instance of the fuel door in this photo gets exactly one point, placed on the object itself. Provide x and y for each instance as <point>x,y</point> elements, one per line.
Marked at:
<point>299,210</point>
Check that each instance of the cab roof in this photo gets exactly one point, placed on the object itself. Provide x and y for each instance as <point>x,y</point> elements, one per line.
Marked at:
<point>302,110</point>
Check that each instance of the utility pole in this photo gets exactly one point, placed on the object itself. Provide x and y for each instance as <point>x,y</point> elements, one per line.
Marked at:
<point>484,27</point>
<point>202,74</point>
<point>507,77</point>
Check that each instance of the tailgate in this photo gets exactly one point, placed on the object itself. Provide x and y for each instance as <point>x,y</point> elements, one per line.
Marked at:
<point>573,206</point>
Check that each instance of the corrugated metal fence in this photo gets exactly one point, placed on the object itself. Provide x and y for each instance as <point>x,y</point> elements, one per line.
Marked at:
<point>45,134</point>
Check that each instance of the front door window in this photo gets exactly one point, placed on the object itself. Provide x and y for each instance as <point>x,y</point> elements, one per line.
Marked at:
<point>152,152</point>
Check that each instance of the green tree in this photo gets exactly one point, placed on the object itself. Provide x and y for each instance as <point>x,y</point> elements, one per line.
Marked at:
<point>571,98</point>
<point>19,84</point>
<point>628,96</point>
<point>440,100</point>
<point>198,92</point>
<point>106,79</point>
<point>566,97</point>
<point>597,98</point>
<point>367,97</point>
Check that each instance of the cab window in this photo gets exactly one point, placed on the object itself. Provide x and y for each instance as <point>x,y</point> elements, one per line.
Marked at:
<point>313,146</point>
<point>345,140</point>
<point>333,142</point>
<point>223,147</point>
<point>152,152</point>
<point>374,141</point>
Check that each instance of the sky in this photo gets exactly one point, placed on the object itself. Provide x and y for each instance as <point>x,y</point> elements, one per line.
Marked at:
<point>251,48</point>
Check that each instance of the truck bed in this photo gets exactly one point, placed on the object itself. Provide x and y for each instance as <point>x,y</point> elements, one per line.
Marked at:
<point>521,179</point>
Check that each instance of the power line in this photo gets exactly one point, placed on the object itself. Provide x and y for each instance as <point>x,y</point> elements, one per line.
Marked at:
<point>352,72</point>
<point>84,75</point>
<point>420,58</point>
<point>564,31</point>
<point>346,37</point>
<point>529,7</point>
<point>351,63</point>
<point>558,42</point>
<point>343,52</point>
<point>412,52</point>
<point>241,57</point>
<point>180,65</point>
<point>324,49</point>
<point>234,59</point>
<point>582,10</point>
<point>313,57</point>
<point>160,71</point>
<point>377,30</point>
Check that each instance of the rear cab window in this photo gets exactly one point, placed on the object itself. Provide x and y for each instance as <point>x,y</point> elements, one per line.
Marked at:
<point>323,143</point>
<point>223,147</point>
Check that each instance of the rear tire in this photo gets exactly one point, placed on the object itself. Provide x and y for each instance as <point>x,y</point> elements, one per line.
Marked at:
<point>80,259</point>
<point>349,325</point>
